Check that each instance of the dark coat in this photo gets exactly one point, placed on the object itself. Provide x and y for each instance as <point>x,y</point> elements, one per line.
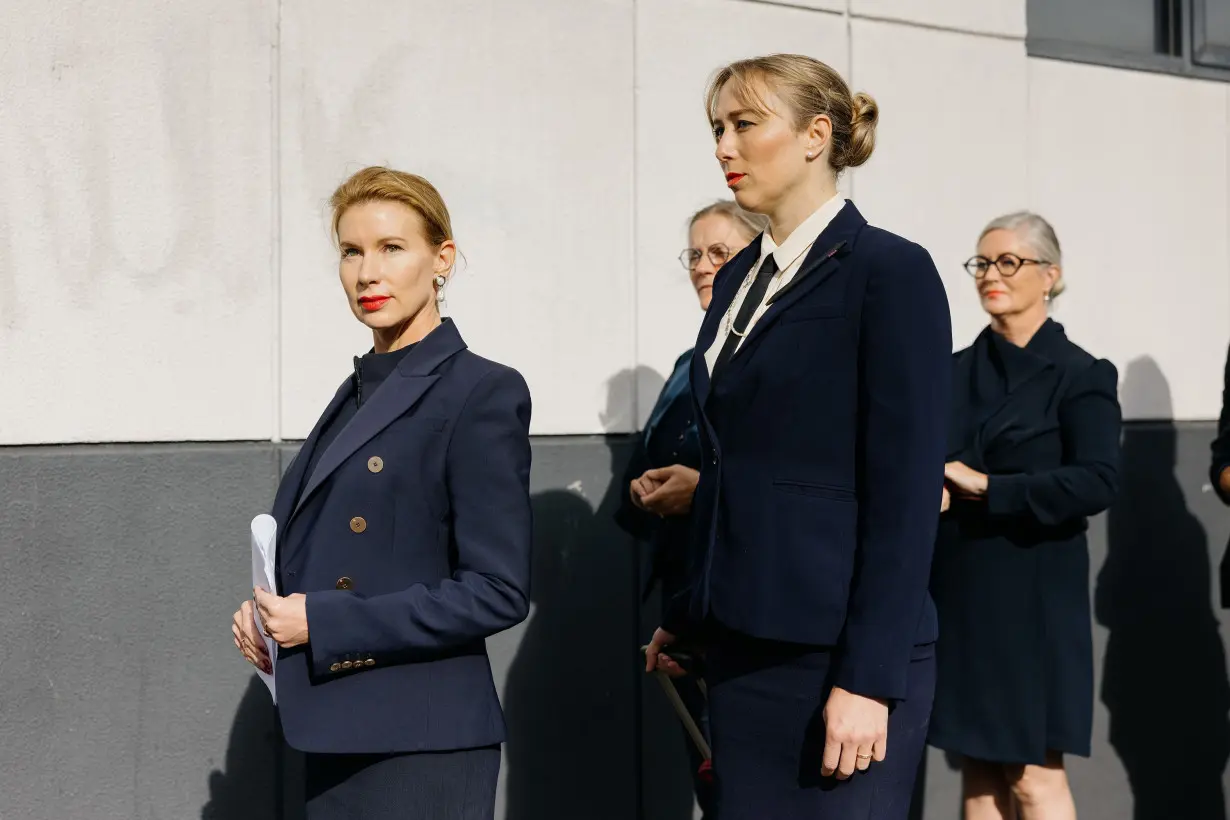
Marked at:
<point>823,446</point>
<point>670,437</point>
<point>1221,444</point>
<point>1221,462</point>
<point>1011,572</point>
<point>411,539</point>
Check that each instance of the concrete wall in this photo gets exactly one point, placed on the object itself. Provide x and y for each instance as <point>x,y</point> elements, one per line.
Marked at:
<point>166,277</point>
<point>165,269</point>
<point>124,698</point>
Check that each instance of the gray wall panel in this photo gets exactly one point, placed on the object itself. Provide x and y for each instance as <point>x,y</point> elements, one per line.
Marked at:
<point>123,696</point>
<point>120,686</point>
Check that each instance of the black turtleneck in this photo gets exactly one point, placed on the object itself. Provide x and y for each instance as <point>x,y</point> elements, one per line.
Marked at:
<point>370,371</point>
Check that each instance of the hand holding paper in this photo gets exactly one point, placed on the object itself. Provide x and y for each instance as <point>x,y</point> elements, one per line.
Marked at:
<point>264,562</point>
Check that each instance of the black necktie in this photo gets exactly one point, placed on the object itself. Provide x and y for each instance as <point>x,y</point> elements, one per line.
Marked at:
<point>755,295</point>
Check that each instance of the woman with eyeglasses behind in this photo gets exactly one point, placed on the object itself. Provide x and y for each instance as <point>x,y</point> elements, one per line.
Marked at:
<point>662,474</point>
<point>1033,452</point>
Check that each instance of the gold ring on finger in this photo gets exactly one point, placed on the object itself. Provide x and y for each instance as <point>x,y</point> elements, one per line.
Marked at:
<point>863,757</point>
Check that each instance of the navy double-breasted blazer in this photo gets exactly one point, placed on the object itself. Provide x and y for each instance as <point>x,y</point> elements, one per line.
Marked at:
<point>823,440</point>
<point>411,539</point>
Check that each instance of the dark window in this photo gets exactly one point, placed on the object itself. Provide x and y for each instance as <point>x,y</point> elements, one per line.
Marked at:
<point>1211,33</point>
<point>1189,37</point>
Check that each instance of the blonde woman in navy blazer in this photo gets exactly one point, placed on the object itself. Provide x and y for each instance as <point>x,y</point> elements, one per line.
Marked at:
<point>404,537</point>
<point>821,381</point>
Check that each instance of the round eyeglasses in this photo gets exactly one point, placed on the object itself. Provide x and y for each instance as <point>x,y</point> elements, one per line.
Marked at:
<point>718,254</point>
<point>1007,264</point>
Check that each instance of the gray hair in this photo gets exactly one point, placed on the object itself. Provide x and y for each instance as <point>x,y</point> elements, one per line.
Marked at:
<point>1035,232</point>
<point>749,224</point>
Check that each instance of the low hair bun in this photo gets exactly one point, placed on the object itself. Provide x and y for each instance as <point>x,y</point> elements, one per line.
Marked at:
<point>865,114</point>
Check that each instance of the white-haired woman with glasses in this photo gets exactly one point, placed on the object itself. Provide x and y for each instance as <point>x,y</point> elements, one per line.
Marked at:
<point>1033,452</point>
<point>662,474</point>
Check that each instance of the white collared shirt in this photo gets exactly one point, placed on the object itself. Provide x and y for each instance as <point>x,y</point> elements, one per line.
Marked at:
<point>789,257</point>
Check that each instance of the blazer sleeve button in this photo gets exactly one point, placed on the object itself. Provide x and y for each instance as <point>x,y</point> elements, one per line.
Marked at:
<point>337,667</point>
<point>357,524</point>
<point>347,664</point>
<point>344,583</point>
<point>369,662</point>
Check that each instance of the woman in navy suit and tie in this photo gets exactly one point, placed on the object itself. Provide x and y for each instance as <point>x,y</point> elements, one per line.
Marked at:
<point>403,537</point>
<point>821,385</point>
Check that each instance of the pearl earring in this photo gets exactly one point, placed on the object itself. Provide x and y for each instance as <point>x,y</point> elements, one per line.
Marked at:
<point>1046,297</point>
<point>440,282</point>
<point>809,155</point>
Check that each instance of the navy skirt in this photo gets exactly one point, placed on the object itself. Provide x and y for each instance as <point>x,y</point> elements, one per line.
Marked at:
<point>456,785</point>
<point>766,718</point>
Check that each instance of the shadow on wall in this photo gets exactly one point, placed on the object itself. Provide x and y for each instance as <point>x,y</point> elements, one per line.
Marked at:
<point>570,696</point>
<point>246,789</point>
<point>1164,674</point>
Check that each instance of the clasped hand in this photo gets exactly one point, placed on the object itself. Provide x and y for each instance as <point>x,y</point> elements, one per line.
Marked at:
<point>285,620</point>
<point>961,481</point>
<point>665,490</point>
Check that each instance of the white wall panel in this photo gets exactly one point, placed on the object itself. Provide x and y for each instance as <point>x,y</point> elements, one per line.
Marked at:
<point>1004,17</point>
<point>523,119</point>
<point>950,148</point>
<point>135,221</point>
<point>680,43</point>
<point>1131,169</point>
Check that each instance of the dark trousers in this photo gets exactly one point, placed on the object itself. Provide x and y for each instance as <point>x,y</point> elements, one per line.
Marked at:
<point>414,786</point>
<point>766,719</point>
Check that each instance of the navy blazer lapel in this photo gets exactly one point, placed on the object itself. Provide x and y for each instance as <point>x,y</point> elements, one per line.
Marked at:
<point>400,392</point>
<point>822,261</point>
<point>288,487</point>
<point>725,287</point>
<point>1026,365</point>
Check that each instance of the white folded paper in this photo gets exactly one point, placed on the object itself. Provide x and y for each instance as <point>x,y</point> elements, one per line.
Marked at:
<point>264,561</point>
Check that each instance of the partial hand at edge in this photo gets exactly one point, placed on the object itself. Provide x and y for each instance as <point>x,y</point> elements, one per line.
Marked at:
<point>965,481</point>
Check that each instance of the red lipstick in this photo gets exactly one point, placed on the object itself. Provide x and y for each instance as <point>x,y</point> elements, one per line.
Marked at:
<point>732,179</point>
<point>372,303</point>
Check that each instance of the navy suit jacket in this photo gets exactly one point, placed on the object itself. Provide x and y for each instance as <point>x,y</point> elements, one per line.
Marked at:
<point>411,540</point>
<point>823,440</point>
<point>1221,461</point>
<point>1221,444</point>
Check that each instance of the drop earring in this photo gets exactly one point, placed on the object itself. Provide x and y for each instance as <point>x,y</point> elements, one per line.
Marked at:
<point>440,282</point>
<point>1046,297</point>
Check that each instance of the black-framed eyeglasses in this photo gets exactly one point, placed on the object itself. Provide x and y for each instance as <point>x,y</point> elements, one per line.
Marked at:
<point>718,254</point>
<point>1007,263</point>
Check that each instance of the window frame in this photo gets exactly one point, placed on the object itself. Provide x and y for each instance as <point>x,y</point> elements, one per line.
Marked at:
<point>1201,58</point>
<point>1205,53</point>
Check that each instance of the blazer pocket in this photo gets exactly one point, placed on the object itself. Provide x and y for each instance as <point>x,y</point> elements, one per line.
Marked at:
<point>811,312</point>
<point>814,490</point>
